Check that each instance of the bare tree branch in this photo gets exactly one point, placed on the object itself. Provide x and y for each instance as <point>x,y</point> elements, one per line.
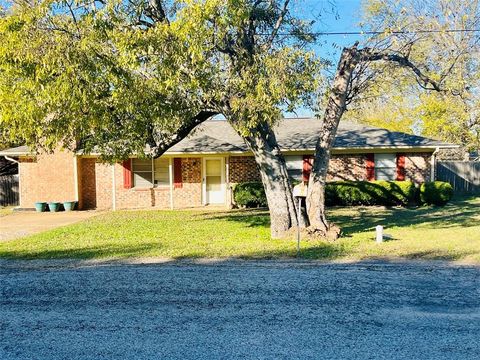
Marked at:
<point>159,146</point>
<point>368,54</point>
<point>278,24</point>
<point>156,11</point>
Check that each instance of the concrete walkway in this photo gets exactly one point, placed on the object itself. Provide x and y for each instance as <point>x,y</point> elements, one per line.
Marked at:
<point>23,223</point>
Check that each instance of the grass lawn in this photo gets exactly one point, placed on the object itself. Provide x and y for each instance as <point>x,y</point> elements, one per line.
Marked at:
<point>449,233</point>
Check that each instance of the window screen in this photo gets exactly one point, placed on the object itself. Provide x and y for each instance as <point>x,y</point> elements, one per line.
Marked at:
<point>142,173</point>
<point>294,166</point>
<point>385,166</point>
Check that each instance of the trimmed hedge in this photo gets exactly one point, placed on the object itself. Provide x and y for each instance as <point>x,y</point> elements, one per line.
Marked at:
<point>436,193</point>
<point>387,193</point>
<point>351,193</point>
<point>250,194</point>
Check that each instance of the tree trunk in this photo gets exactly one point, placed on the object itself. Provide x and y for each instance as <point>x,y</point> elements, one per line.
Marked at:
<point>283,215</point>
<point>333,113</point>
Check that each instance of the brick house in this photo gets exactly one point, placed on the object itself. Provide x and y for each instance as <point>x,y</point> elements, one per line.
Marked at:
<point>203,168</point>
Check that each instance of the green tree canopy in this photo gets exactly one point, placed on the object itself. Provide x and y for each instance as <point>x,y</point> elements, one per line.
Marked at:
<point>395,100</point>
<point>117,76</point>
<point>125,77</point>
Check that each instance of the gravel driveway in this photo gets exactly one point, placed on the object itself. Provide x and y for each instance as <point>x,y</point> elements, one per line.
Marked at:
<point>240,310</point>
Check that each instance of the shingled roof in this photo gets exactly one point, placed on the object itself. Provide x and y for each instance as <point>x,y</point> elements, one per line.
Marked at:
<point>16,151</point>
<point>217,136</point>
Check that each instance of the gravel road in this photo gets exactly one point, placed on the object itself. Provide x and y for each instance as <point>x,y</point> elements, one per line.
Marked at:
<point>240,310</point>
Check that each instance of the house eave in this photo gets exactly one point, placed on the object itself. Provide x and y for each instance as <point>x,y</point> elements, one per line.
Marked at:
<point>309,150</point>
<point>352,149</point>
<point>6,153</point>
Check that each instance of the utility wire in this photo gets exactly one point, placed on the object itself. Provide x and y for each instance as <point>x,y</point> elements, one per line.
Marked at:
<point>393,32</point>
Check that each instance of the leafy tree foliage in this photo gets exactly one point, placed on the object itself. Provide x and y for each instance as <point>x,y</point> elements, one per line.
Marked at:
<point>395,100</point>
<point>116,76</point>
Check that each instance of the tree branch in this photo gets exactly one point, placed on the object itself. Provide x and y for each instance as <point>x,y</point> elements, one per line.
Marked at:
<point>424,80</point>
<point>157,148</point>
<point>156,11</point>
<point>278,24</point>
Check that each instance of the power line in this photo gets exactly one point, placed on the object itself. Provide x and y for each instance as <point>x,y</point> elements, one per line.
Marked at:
<point>386,32</point>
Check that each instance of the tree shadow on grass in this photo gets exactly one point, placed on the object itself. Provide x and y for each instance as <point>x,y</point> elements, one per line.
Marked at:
<point>461,213</point>
<point>248,217</point>
<point>321,250</point>
<point>83,252</point>
<point>438,254</point>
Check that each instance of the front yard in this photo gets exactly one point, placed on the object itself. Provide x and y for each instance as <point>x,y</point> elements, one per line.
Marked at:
<point>447,233</point>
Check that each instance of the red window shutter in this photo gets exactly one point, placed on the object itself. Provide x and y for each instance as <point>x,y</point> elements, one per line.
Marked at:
<point>127,174</point>
<point>370,164</point>
<point>307,166</point>
<point>177,173</point>
<point>400,167</point>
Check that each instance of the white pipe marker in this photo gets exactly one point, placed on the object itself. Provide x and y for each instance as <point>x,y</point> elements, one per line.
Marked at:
<point>379,231</point>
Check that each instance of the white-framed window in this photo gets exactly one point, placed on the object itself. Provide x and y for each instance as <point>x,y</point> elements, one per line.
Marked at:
<point>150,172</point>
<point>385,166</point>
<point>294,166</point>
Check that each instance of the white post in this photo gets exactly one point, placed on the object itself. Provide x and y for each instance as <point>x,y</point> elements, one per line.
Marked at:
<point>228,195</point>
<point>379,233</point>
<point>170,177</point>
<point>75,176</point>
<point>433,163</point>
<point>114,191</point>
<point>299,210</point>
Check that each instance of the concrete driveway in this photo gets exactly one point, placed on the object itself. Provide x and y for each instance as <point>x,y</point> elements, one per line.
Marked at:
<point>239,310</point>
<point>23,223</point>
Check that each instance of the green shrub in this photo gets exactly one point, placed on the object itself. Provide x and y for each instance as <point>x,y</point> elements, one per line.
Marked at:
<point>388,193</point>
<point>345,193</point>
<point>251,194</point>
<point>436,193</point>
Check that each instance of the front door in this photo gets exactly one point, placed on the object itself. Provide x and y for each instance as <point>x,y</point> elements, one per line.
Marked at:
<point>214,182</point>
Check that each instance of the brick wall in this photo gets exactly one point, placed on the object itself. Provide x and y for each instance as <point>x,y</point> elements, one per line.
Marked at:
<point>96,188</point>
<point>342,167</point>
<point>48,177</point>
<point>243,169</point>
<point>347,167</point>
<point>51,178</point>
<point>418,167</point>
<point>190,194</point>
<point>103,185</point>
<point>139,198</point>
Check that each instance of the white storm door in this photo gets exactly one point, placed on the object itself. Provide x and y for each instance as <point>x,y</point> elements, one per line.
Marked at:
<point>214,181</point>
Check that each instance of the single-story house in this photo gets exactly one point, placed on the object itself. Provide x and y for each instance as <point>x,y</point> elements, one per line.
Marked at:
<point>203,168</point>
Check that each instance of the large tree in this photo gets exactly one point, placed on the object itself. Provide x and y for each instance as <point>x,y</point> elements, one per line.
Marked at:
<point>405,40</point>
<point>113,75</point>
<point>262,73</point>
<point>138,76</point>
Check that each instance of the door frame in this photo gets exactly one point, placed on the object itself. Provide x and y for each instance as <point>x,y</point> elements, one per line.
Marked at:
<point>204,179</point>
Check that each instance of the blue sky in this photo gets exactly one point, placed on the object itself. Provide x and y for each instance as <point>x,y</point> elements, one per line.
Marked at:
<point>335,16</point>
